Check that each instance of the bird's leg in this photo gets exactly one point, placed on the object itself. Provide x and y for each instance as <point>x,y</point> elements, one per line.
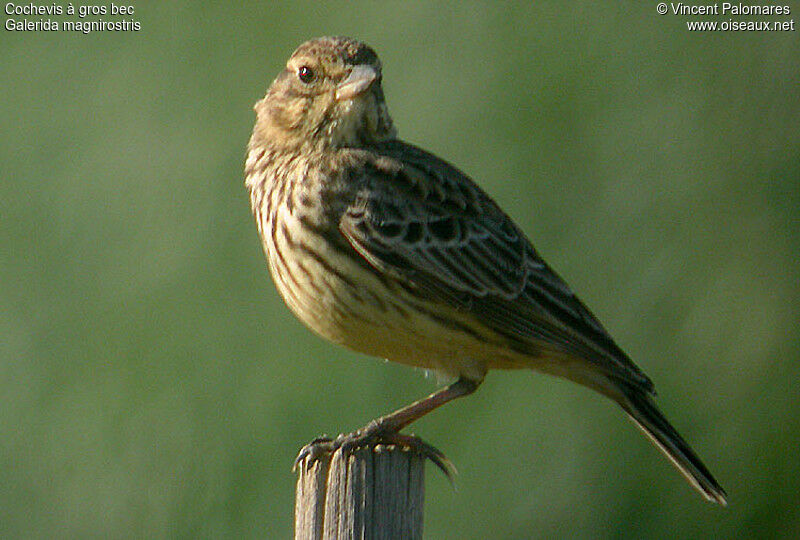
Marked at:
<point>397,420</point>
<point>386,428</point>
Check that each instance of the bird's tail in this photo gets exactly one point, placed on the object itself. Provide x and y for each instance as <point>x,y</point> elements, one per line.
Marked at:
<point>640,407</point>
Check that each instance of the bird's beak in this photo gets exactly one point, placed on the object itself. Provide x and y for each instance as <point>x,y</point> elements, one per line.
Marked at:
<point>357,82</point>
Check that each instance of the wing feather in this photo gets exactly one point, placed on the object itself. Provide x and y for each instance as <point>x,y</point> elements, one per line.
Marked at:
<point>426,223</point>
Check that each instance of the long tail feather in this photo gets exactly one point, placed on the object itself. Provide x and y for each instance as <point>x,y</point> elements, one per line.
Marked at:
<point>645,414</point>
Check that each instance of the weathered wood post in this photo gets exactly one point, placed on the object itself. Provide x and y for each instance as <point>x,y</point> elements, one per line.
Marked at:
<point>373,492</point>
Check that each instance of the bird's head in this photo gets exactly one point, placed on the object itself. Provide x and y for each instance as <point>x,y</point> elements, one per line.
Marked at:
<point>329,96</point>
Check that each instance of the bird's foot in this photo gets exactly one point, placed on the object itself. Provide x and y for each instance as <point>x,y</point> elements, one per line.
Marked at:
<point>372,435</point>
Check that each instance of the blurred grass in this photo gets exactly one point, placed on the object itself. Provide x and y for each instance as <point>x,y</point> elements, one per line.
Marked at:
<point>153,385</point>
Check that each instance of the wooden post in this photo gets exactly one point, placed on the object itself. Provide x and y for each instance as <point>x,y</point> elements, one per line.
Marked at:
<point>372,493</point>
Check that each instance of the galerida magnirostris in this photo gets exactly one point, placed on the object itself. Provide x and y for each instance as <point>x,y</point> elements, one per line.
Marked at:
<point>384,248</point>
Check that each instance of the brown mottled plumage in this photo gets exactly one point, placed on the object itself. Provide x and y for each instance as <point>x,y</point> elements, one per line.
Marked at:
<point>386,249</point>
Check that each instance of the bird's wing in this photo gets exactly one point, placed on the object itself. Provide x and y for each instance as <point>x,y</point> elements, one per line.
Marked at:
<point>428,225</point>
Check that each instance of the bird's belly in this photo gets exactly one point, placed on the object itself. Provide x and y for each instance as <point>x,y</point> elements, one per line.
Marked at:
<point>321,283</point>
<point>347,303</point>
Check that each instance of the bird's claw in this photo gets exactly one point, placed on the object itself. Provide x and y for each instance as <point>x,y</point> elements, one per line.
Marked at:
<point>314,450</point>
<point>371,436</point>
<point>420,447</point>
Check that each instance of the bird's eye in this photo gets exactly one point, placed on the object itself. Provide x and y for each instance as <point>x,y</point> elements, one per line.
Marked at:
<point>306,74</point>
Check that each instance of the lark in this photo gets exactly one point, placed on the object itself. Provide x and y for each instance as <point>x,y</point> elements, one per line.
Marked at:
<point>382,247</point>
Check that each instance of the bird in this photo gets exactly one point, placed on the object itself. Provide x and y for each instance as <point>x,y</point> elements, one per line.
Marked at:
<point>384,248</point>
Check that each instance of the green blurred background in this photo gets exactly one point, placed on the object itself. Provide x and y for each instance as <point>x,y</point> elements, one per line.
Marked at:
<point>152,384</point>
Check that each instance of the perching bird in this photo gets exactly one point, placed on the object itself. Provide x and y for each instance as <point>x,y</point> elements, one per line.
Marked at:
<point>384,248</point>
